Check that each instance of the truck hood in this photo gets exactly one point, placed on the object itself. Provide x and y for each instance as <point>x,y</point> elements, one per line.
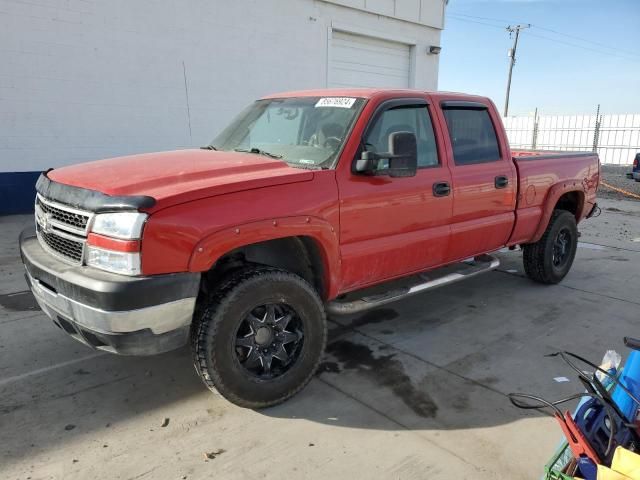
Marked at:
<point>180,175</point>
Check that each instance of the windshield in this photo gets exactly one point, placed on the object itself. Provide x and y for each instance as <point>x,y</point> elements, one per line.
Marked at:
<point>306,132</point>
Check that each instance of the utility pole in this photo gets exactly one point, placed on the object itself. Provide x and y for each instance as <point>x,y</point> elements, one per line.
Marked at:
<point>512,55</point>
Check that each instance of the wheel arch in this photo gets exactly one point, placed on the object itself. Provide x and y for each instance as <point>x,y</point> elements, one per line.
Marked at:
<point>567,196</point>
<point>306,246</point>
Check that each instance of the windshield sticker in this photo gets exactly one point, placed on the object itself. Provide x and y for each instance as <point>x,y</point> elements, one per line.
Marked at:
<point>308,162</point>
<point>336,102</point>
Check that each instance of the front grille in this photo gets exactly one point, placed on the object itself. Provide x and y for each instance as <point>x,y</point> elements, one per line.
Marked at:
<point>62,230</point>
<point>70,249</point>
<point>69,217</point>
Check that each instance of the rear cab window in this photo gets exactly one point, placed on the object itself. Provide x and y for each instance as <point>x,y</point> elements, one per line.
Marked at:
<point>472,133</point>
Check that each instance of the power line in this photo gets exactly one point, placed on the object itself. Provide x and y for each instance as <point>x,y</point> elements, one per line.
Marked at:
<point>501,27</point>
<point>516,30</point>
<point>550,30</point>
<point>501,20</point>
<point>618,53</point>
<point>626,52</point>
<point>562,42</point>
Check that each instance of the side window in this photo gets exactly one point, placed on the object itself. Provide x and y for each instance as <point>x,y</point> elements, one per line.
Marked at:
<point>472,135</point>
<point>413,119</point>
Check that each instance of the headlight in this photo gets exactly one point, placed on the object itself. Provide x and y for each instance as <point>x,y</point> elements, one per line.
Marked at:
<point>127,225</point>
<point>113,244</point>
<point>126,263</point>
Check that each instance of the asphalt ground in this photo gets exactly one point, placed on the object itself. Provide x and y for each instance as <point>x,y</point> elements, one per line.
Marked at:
<point>416,389</point>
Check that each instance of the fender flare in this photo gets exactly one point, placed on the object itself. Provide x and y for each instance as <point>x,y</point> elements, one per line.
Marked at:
<point>212,247</point>
<point>553,195</point>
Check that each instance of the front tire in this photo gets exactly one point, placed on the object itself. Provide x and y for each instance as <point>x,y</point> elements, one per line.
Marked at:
<point>260,338</point>
<point>550,258</point>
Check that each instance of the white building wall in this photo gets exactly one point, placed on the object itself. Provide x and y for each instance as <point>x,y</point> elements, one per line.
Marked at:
<point>82,80</point>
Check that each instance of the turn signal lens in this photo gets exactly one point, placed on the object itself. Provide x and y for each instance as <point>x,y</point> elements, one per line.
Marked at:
<point>117,255</point>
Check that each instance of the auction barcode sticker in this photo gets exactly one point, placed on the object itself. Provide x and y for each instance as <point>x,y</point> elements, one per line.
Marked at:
<point>339,102</point>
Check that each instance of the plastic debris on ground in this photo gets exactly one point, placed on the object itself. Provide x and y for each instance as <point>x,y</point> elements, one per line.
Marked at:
<point>602,435</point>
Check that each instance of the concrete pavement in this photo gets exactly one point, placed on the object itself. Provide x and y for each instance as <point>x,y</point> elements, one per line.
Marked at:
<point>412,390</point>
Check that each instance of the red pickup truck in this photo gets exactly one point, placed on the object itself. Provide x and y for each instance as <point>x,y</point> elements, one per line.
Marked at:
<point>308,202</point>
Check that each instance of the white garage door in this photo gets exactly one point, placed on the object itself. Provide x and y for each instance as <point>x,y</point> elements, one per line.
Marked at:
<point>359,61</point>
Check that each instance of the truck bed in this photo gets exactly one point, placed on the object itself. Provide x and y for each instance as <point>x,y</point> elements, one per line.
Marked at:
<point>518,154</point>
<point>540,174</point>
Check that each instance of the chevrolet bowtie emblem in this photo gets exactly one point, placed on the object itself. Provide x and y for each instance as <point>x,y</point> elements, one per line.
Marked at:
<point>44,222</point>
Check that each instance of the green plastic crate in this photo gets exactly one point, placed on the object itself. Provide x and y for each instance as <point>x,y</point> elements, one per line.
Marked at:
<point>555,468</point>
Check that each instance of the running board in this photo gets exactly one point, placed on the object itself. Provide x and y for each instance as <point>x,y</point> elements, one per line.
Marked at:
<point>415,284</point>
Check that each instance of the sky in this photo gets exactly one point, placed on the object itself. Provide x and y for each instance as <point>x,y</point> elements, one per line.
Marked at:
<point>576,55</point>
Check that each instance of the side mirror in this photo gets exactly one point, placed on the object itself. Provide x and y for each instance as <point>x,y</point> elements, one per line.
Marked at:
<point>402,155</point>
<point>403,161</point>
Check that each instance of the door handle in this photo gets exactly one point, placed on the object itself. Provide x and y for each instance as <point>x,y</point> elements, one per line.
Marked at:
<point>441,189</point>
<point>501,181</point>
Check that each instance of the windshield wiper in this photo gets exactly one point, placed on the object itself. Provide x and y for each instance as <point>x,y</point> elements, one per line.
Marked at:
<point>208,147</point>
<point>305,167</point>
<point>258,151</point>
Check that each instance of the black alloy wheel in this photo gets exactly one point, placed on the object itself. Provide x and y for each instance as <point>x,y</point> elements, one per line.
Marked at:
<point>549,259</point>
<point>259,337</point>
<point>561,248</point>
<point>269,340</point>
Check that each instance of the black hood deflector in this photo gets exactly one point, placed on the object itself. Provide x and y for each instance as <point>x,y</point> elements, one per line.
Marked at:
<point>90,200</point>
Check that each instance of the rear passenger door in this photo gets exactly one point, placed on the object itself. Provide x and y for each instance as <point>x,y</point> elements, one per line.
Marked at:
<point>484,180</point>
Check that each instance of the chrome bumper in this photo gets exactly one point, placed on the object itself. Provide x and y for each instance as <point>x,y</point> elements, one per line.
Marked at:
<point>158,318</point>
<point>125,315</point>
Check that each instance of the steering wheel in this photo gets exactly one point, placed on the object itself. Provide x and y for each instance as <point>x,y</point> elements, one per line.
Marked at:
<point>332,142</point>
<point>312,141</point>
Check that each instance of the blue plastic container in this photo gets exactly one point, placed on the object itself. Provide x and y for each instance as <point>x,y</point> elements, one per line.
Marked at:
<point>630,378</point>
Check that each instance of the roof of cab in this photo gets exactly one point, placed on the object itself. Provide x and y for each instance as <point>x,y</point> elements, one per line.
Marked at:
<point>331,92</point>
<point>366,93</point>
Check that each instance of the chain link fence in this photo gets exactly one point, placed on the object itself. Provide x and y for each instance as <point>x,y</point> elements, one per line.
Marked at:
<point>616,138</point>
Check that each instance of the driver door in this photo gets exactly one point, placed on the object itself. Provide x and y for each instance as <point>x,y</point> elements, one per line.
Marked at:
<point>390,227</point>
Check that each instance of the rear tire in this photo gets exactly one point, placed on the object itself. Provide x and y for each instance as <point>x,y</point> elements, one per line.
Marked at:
<point>550,258</point>
<point>260,337</point>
